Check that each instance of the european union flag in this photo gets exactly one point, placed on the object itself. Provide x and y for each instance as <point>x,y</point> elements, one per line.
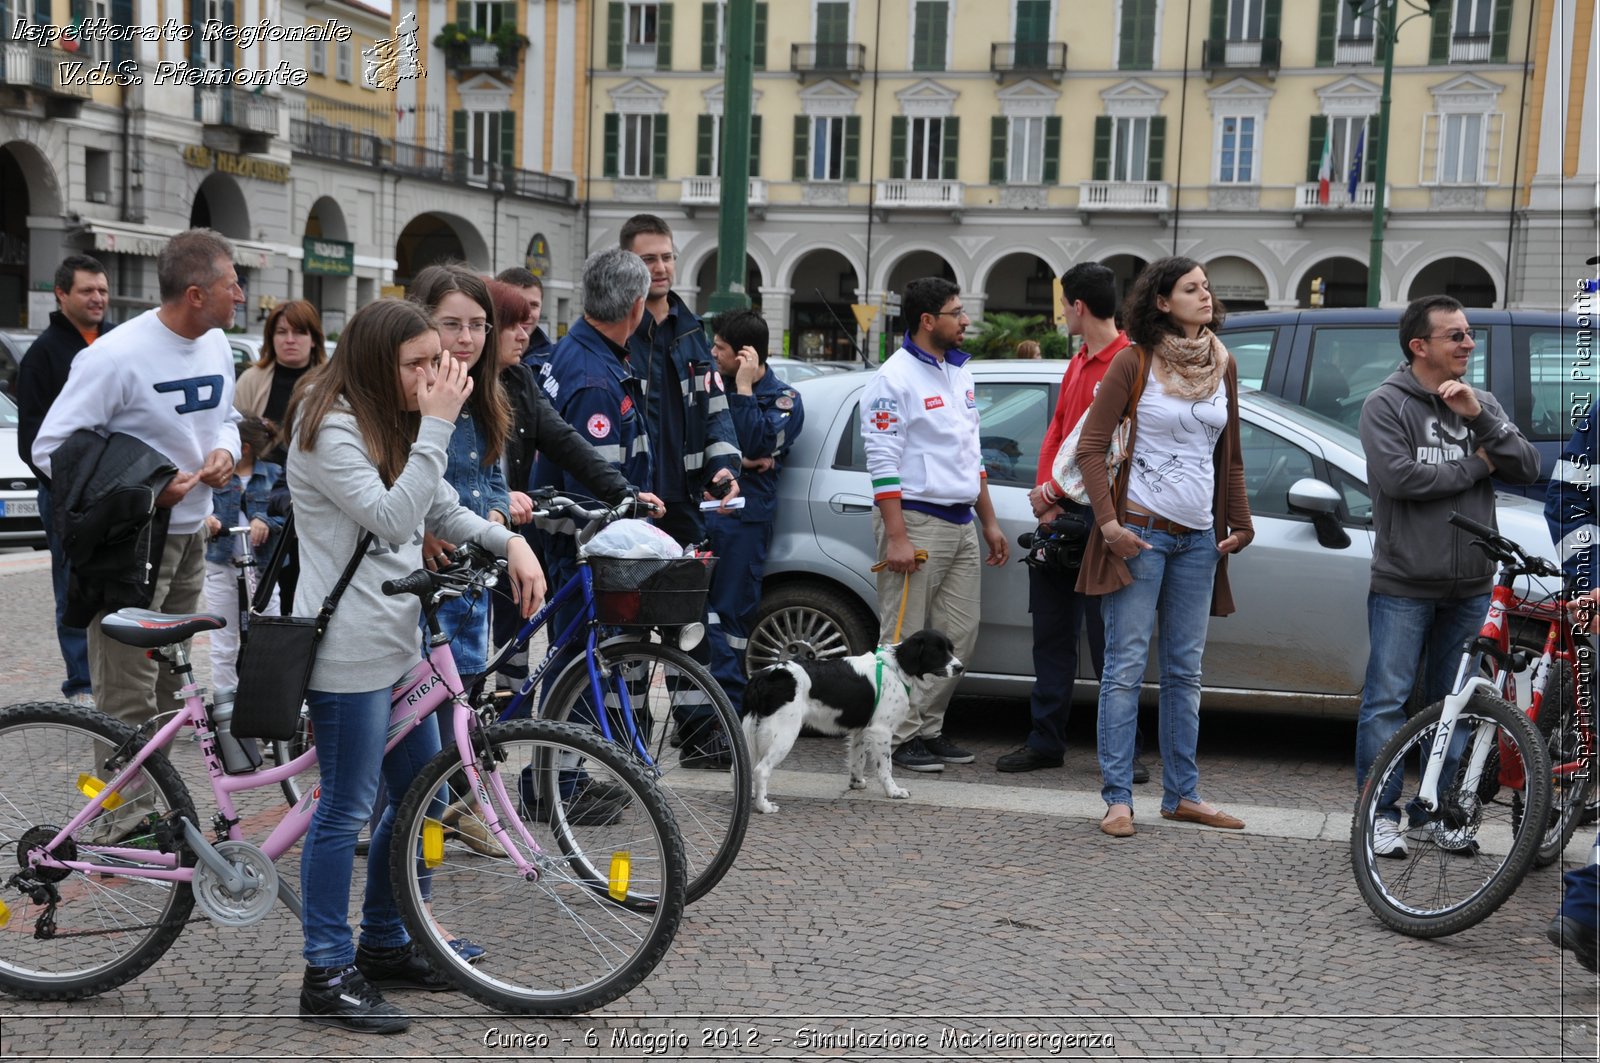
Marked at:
<point>1355,162</point>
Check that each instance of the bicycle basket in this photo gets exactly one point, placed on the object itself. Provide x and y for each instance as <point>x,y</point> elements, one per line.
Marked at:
<point>647,592</point>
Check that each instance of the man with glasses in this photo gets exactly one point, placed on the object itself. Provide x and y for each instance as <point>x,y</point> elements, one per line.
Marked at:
<point>1432,443</point>
<point>919,425</point>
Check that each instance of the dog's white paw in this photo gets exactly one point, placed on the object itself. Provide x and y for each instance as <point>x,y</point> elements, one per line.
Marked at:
<point>899,792</point>
<point>858,784</point>
<point>765,807</point>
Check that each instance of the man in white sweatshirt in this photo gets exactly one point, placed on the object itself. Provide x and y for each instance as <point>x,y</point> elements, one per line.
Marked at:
<point>166,378</point>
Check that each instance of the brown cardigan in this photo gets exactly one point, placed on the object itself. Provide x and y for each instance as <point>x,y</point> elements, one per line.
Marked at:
<point>1103,571</point>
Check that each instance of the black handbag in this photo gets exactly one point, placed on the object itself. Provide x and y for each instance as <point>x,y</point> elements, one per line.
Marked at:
<point>276,659</point>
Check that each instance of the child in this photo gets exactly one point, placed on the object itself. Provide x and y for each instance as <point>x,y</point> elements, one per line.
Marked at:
<point>244,499</point>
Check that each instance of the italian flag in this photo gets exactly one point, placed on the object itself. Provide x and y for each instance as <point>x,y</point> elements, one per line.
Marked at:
<point>1325,171</point>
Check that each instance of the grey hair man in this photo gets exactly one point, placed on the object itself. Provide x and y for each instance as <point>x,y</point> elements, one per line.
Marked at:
<point>165,378</point>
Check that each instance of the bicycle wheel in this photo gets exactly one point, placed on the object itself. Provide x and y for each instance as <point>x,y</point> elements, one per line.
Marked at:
<point>709,796</point>
<point>72,935</point>
<point>296,786</point>
<point>1453,875</point>
<point>568,941</point>
<point>1568,740</point>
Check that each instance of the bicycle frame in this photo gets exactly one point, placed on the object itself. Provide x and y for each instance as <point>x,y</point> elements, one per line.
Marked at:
<point>431,683</point>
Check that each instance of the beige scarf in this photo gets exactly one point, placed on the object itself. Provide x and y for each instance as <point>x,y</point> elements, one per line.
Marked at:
<point>1190,369</point>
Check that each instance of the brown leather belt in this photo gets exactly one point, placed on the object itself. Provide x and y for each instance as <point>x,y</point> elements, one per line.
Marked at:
<point>1154,523</point>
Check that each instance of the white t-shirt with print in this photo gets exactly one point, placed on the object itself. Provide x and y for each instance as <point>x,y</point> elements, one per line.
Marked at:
<point>1172,470</point>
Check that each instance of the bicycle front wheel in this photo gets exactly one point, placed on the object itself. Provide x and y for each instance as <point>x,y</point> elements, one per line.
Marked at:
<point>607,892</point>
<point>72,935</point>
<point>1452,872</point>
<point>692,742</point>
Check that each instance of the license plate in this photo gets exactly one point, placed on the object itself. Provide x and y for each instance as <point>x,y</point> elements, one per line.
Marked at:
<point>18,508</point>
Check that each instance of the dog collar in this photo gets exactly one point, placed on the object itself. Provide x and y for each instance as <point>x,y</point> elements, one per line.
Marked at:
<point>877,693</point>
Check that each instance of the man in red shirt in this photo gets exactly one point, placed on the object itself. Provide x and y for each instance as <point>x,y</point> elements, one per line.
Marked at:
<point>1088,299</point>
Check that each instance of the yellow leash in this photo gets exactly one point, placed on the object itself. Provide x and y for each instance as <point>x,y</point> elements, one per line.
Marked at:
<point>905,590</point>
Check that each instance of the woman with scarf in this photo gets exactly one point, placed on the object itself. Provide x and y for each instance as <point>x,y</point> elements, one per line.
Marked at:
<point>1164,529</point>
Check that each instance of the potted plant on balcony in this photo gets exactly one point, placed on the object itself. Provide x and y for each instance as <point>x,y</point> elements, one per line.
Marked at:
<point>456,43</point>
<point>510,43</point>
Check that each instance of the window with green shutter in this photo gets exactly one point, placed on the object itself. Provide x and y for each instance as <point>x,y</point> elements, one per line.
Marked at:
<point>951,150</point>
<point>1052,150</point>
<point>897,147</point>
<point>639,36</point>
<point>833,34</point>
<point>1033,33</point>
<point>998,130</point>
<point>508,139</point>
<point>707,163</point>
<point>802,146</point>
<point>711,22</point>
<point>663,36</point>
<point>1315,142</point>
<point>761,37</point>
<point>1136,35</point>
<point>1101,169</point>
<point>852,148</point>
<point>612,141</point>
<point>930,35</point>
<point>658,154</point>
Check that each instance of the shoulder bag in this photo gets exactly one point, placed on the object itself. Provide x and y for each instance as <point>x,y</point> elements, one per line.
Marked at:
<point>1066,471</point>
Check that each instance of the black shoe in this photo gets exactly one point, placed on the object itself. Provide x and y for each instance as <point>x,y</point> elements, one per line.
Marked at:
<point>1141,772</point>
<point>347,1000</point>
<point>400,968</point>
<point>1027,759</point>
<point>591,807</point>
<point>946,750</point>
<point>710,752</point>
<point>914,756</point>
<point>1582,941</point>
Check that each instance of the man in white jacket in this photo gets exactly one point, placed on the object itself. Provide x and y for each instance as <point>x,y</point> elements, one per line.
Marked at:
<point>166,377</point>
<point>919,425</point>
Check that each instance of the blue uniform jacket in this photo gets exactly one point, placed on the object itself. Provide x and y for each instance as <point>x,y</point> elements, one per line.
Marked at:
<point>1570,508</point>
<point>240,503</point>
<point>687,409</point>
<point>538,352</point>
<point>767,424</point>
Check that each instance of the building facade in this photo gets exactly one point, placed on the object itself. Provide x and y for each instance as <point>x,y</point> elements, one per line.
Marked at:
<point>338,159</point>
<point>997,143</point>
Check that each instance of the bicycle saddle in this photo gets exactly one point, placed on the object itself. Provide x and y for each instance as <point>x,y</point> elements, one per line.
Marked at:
<point>147,629</point>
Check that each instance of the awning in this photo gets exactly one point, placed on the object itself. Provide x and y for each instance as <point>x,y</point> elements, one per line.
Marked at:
<point>125,238</point>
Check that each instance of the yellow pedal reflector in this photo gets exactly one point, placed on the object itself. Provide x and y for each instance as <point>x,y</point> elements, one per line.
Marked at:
<point>621,872</point>
<point>432,843</point>
<point>89,786</point>
<point>5,914</point>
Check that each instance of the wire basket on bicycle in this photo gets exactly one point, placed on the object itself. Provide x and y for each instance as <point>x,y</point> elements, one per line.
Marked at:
<point>650,591</point>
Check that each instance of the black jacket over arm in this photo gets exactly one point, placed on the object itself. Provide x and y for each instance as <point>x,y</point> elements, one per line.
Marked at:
<point>536,427</point>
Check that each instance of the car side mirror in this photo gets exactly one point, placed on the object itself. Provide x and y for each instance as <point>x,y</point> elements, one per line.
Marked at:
<point>1320,501</point>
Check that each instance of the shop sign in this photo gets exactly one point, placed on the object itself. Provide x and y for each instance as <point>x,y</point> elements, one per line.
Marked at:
<point>204,158</point>
<point>329,258</point>
<point>538,257</point>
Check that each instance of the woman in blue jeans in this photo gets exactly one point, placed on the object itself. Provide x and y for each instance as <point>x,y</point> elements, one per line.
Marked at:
<point>1158,555</point>
<point>370,431</point>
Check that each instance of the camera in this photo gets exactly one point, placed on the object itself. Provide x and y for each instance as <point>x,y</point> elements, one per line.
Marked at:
<point>719,488</point>
<point>1057,546</point>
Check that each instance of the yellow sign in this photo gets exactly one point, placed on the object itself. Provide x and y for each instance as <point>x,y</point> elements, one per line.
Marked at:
<point>393,291</point>
<point>865,313</point>
<point>1060,315</point>
<point>204,158</point>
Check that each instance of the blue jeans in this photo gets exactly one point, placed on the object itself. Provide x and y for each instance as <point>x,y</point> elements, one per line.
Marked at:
<point>1171,587</point>
<point>74,641</point>
<point>350,731</point>
<point>1409,636</point>
<point>465,622</point>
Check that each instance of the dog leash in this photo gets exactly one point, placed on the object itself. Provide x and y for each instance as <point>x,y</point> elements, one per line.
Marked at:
<point>905,591</point>
<point>877,694</point>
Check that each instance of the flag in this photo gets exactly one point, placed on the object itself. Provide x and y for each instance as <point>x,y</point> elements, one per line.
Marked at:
<point>1355,162</point>
<point>1325,171</point>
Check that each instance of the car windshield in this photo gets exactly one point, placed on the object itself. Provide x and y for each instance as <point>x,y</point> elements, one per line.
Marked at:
<point>8,412</point>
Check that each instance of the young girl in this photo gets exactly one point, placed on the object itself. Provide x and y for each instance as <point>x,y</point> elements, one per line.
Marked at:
<point>244,499</point>
<point>369,436</point>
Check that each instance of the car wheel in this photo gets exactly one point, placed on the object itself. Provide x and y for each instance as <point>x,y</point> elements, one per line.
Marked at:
<point>808,623</point>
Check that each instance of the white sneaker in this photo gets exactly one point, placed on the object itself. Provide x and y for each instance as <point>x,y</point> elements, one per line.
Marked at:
<point>82,700</point>
<point>1451,841</point>
<point>1388,839</point>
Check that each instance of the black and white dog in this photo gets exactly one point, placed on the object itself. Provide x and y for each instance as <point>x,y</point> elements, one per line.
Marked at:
<point>864,697</point>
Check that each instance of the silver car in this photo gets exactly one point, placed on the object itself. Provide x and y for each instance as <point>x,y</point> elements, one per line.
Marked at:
<point>1298,641</point>
<point>19,490</point>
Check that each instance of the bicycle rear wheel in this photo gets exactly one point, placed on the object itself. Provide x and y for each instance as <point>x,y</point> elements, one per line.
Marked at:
<point>1453,876</point>
<point>709,796</point>
<point>1569,742</point>
<point>100,931</point>
<point>609,891</point>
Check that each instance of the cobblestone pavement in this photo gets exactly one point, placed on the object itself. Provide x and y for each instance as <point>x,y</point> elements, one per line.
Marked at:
<point>984,917</point>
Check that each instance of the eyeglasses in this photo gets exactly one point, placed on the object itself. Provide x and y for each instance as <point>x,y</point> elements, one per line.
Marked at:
<point>451,327</point>
<point>663,260</point>
<point>1456,335</point>
<point>948,313</point>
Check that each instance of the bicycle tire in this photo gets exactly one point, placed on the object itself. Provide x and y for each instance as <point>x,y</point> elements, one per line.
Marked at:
<point>295,786</point>
<point>109,929</point>
<point>566,918</point>
<point>1434,891</point>
<point>1562,732</point>
<point>712,807</point>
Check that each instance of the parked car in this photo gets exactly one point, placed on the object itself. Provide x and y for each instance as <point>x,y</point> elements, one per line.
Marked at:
<point>19,490</point>
<point>14,343</point>
<point>1330,360</point>
<point>1297,643</point>
<point>246,350</point>
<point>790,370</point>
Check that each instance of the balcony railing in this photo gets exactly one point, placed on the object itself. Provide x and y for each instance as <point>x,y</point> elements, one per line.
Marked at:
<point>1132,196</point>
<point>1306,197</point>
<point>32,67</point>
<point>1221,54</point>
<point>321,141</point>
<point>1470,49</point>
<point>828,58</point>
<point>245,111</point>
<point>938,195</point>
<point>1354,51</point>
<point>707,192</point>
<point>1029,57</point>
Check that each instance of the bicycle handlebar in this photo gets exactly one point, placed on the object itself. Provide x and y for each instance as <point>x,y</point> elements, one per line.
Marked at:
<point>419,582</point>
<point>552,506</point>
<point>1504,550</point>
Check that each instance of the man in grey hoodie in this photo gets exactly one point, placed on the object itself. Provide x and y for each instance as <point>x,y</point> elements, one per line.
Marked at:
<point>1432,442</point>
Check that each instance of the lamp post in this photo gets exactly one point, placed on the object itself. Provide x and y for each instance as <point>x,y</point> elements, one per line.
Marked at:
<point>737,92</point>
<point>1388,32</point>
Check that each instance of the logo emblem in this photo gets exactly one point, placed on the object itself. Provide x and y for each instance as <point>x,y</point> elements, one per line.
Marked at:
<point>599,426</point>
<point>933,402</point>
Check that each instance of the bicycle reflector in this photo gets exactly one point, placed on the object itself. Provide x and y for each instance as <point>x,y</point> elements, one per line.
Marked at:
<point>432,843</point>
<point>5,915</point>
<point>621,872</point>
<point>89,786</point>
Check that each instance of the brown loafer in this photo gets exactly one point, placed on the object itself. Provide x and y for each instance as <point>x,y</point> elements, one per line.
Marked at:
<point>1118,826</point>
<point>1209,819</point>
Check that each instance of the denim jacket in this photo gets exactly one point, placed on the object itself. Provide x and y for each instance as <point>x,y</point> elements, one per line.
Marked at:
<point>226,506</point>
<point>482,487</point>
